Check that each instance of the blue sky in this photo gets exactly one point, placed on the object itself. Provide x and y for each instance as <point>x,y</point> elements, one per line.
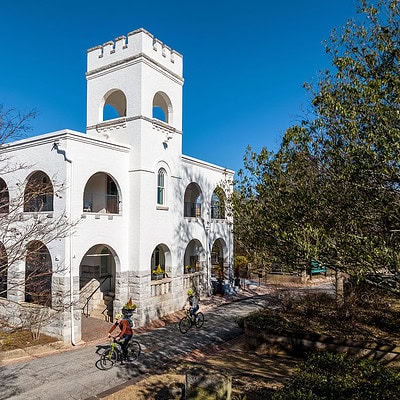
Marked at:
<point>244,63</point>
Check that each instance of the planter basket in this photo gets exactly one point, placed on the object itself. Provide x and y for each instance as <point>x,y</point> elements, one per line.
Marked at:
<point>128,312</point>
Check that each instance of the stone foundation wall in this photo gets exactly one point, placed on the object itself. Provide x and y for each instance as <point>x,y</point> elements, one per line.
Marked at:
<point>301,342</point>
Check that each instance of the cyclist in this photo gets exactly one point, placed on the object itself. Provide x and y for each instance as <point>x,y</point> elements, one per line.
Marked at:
<point>193,302</point>
<point>125,334</point>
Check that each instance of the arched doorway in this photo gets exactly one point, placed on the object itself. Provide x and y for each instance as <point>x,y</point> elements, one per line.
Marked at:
<point>217,260</point>
<point>97,282</point>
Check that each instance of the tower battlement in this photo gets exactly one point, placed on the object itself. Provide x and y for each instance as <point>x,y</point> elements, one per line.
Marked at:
<point>139,42</point>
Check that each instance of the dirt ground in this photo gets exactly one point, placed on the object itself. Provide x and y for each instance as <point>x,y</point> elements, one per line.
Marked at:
<point>21,339</point>
<point>255,376</point>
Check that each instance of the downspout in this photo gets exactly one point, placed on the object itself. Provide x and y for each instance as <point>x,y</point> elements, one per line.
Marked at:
<point>56,146</point>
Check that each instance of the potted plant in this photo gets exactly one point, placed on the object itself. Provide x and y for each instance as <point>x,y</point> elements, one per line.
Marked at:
<point>158,273</point>
<point>190,269</point>
<point>129,308</point>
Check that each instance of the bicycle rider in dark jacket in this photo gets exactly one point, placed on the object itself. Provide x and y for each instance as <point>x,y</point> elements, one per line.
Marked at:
<point>125,333</point>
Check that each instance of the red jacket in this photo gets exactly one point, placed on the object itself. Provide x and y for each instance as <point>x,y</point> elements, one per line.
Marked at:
<point>123,326</point>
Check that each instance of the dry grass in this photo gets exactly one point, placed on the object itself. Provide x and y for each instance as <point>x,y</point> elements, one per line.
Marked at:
<point>21,339</point>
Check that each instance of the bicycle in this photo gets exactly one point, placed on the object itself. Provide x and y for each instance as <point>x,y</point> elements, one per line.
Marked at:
<point>189,320</point>
<point>113,353</point>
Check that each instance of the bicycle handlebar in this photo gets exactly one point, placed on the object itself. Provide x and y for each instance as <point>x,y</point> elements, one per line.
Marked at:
<point>113,339</point>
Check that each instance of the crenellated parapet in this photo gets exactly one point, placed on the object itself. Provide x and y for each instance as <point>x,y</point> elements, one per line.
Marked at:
<point>138,43</point>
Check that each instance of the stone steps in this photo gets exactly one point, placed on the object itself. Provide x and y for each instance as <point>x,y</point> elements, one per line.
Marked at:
<point>103,309</point>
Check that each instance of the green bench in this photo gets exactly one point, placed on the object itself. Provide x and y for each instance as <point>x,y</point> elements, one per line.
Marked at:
<point>316,268</point>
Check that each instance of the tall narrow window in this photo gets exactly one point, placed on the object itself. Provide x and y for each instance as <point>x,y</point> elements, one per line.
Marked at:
<point>161,186</point>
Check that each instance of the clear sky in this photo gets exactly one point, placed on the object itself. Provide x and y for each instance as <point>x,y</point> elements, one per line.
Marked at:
<point>244,63</point>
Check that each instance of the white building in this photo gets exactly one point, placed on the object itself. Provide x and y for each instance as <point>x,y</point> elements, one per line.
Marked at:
<point>137,201</point>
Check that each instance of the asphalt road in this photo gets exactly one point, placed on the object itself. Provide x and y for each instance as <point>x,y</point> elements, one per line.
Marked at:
<point>73,375</point>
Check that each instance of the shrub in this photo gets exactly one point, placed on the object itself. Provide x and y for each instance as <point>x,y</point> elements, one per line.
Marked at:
<point>330,376</point>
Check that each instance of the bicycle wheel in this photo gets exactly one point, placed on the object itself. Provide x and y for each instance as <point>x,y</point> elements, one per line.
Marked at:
<point>366,298</point>
<point>184,324</point>
<point>199,320</point>
<point>134,350</point>
<point>108,358</point>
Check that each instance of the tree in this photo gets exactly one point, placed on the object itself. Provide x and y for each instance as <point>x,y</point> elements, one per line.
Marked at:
<point>332,190</point>
<point>25,231</point>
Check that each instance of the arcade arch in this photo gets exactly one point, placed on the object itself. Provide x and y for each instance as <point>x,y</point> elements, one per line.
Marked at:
<point>38,274</point>
<point>39,193</point>
<point>192,200</point>
<point>162,108</point>
<point>101,194</point>
<point>114,105</point>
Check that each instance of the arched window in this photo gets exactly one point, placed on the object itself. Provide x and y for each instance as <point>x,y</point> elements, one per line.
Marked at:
<point>3,271</point>
<point>161,177</point>
<point>162,108</point>
<point>218,204</point>
<point>101,195</point>
<point>39,193</point>
<point>38,274</point>
<point>192,201</point>
<point>4,198</point>
<point>114,105</point>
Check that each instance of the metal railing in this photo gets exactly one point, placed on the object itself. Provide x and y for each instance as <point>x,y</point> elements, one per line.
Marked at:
<point>96,202</point>
<point>86,305</point>
<point>192,210</point>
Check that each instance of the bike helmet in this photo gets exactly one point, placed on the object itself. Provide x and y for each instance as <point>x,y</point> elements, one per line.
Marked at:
<point>190,292</point>
<point>118,316</point>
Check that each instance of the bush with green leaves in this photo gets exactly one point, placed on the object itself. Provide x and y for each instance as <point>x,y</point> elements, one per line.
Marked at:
<point>326,376</point>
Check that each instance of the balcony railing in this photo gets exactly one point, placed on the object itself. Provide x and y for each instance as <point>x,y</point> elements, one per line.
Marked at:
<point>192,210</point>
<point>39,203</point>
<point>101,203</point>
<point>217,212</point>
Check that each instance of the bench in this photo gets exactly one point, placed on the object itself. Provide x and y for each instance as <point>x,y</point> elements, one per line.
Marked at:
<point>316,268</point>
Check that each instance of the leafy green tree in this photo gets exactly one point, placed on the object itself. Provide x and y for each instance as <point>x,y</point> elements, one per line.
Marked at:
<point>331,191</point>
<point>355,136</point>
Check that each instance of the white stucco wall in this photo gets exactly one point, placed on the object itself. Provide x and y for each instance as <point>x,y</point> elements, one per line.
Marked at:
<point>129,150</point>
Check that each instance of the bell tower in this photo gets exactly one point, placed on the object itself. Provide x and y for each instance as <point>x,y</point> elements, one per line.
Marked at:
<point>140,80</point>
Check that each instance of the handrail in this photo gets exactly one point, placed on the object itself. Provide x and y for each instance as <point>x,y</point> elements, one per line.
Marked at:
<point>91,295</point>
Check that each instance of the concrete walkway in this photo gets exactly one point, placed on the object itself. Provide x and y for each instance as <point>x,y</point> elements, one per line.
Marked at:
<point>72,375</point>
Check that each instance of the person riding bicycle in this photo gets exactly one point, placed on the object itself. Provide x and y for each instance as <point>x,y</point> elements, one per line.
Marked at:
<point>125,333</point>
<point>193,302</point>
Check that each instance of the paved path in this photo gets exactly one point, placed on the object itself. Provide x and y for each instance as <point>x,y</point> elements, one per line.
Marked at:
<point>73,375</point>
